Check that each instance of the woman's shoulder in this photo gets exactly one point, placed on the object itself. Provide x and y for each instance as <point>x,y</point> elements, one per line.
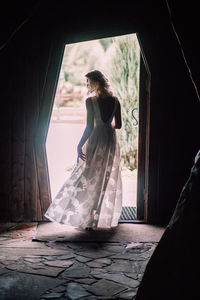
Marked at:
<point>116,99</point>
<point>89,103</point>
<point>112,97</point>
<point>90,100</point>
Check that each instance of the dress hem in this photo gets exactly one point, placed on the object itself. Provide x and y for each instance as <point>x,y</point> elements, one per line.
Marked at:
<point>80,227</point>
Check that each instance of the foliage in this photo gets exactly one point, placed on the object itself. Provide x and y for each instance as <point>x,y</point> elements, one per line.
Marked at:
<point>122,67</point>
<point>79,59</point>
<point>106,43</point>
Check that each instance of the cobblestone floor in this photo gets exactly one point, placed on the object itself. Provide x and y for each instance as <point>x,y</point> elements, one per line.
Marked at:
<point>54,270</point>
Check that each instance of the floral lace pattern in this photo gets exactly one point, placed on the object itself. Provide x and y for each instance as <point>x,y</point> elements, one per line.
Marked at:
<point>92,195</point>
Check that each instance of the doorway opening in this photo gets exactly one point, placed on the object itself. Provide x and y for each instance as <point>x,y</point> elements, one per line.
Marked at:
<point>119,59</point>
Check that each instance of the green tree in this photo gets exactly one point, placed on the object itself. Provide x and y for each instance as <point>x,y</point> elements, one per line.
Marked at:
<point>122,68</point>
<point>106,43</point>
<point>80,58</point>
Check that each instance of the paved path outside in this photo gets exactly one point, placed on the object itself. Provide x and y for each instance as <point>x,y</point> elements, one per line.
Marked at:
<point>61,146</point>
<point>65,270</point>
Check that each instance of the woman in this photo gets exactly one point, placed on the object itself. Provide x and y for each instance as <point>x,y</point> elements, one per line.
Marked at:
<point>92,195</point>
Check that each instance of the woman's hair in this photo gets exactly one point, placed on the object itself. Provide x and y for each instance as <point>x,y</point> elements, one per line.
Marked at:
<point>103,87</point>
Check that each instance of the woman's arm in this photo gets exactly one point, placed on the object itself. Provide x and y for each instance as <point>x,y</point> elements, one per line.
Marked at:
<point>118,117</point>
<point>88,129</point>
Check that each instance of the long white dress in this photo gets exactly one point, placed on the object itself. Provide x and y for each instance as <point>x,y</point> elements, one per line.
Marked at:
<point>92,195</point>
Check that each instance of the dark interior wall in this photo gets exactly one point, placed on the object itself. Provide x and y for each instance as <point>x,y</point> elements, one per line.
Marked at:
<point>29,65</point>
<point>174,123</point>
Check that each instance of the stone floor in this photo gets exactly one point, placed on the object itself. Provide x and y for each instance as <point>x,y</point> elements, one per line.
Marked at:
<point>65,270</point>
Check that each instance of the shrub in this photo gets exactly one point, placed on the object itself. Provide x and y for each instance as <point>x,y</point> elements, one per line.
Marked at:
<point>122,68</point>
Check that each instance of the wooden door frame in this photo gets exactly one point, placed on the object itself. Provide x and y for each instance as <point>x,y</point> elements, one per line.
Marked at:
<point>143,137</point>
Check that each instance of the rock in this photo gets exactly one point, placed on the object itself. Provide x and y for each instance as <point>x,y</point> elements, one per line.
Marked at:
<point>8,252</point>
<point>129,294</point>
<point>78,246</point>
<point>16,285</point>
<point>141,266</point>
<point>66,256</point>
<point>51,257</point>
<point>133,245</point>
<point>33,260</point>
<point>105,287</point>
<point>24,244</point>
<point>120,265</point>
<point>10,257</point>
<point>4,271</point>
<point>94,254</point>
<point>59,263</point>
<point>132,256</point>
<point>85,280</point>
<point>137,248</point>
<point>58,245</point>
<point>52,295</point>
<point>78,270</point>
<point>75,291</point>
<point>58,289</point>
<point>60,257</point>
<point>119,278</point>
<point>104,261</point>
<point>132,275</point>
<point>95,271</point>
<point>83,259</point>
<point>93,264</point>
<point>35,269</point>
<point>113,248</point>
<point>8,262</point>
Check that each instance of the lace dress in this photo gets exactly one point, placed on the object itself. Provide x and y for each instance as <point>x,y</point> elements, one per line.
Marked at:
<point>92,195</point>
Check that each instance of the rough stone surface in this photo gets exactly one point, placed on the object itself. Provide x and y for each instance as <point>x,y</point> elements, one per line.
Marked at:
<point>23,244</point>
<point>120,265</point>
<point>9,257</point>
<point>119,278</point>
<point>76,291</point>
<point>35,269</point>
<point>104,261</point>
<point>128,294</point>
<point>33,260</point>
<point>3,271</point>
<point>94,254</point>
<point>15,285</point>
<point>94,264</point>
<point>59,263</point>
<point>60,288</point>
<point>78,270</point>
<point>95,271</point>
<point>52,295</point>
<point>140,266</point>
<point>21,252</point>
<point>67,256</point>
<point>83,259</point>
<point>132,256</point>
<point>86,280</point>
<point>106,288</point>
<point>112,247</point>
<point>135,276</point>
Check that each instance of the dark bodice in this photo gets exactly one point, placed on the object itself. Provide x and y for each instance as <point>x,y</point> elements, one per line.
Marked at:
<point>106,107</point>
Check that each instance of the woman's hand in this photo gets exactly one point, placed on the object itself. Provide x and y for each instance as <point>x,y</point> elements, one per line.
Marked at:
<point>81,155</point>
